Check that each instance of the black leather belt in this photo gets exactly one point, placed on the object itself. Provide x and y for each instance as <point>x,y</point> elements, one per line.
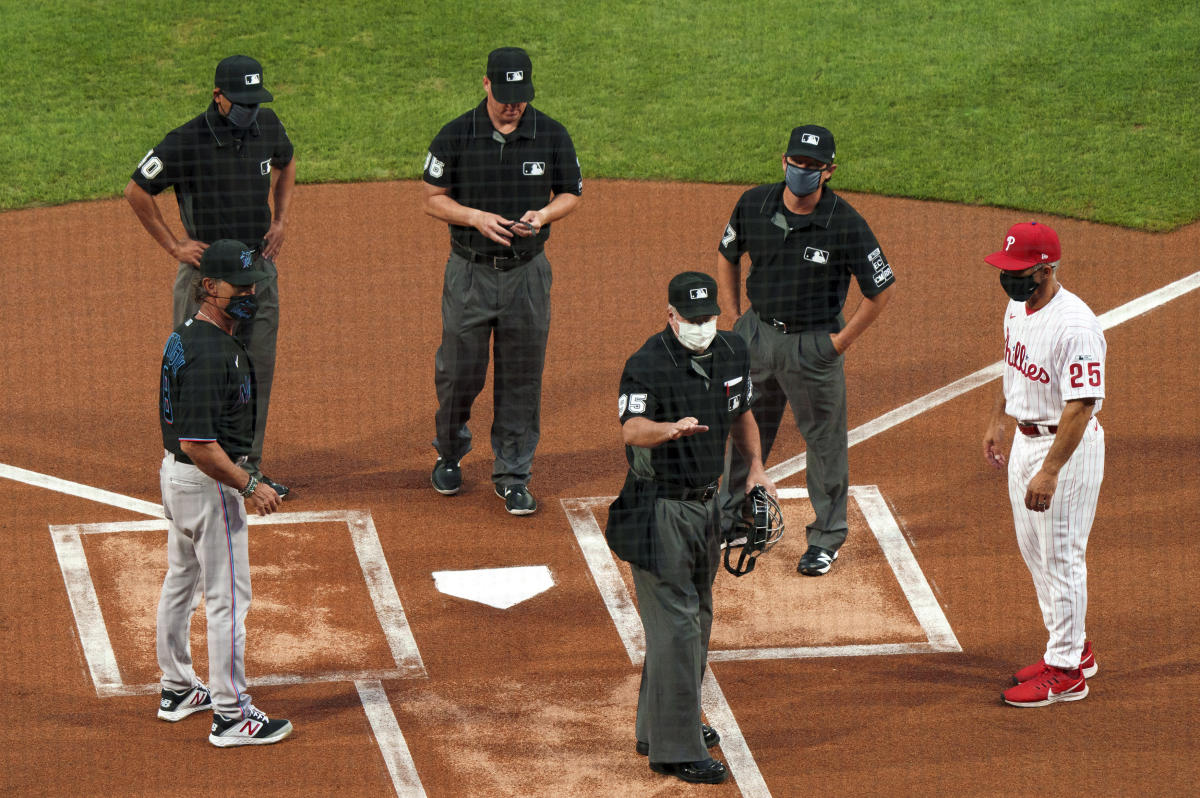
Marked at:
<point>785,328</point>
<point>682,493</point>
<point>497,263</point>
<point>182,458</point>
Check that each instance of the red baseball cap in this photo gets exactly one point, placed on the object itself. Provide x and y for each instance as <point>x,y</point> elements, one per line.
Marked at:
<point>1027,244</point>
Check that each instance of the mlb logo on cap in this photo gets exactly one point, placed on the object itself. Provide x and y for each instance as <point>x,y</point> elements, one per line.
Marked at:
<point>693,295</point>
<point>514,77</point>
<point>809,138</point>
<point>253,79</point>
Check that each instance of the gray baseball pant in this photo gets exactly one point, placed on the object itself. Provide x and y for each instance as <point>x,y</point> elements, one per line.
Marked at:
<point>207,552</point>
<point>510,311</point>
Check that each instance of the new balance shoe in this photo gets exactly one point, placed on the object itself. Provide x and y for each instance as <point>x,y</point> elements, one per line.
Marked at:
<point>816,561</point>
<point>446,477</point>
<point>1087,664</point>
<point>517,499</point>
<point>709,734</point>
<point>1049,687</point>
<point>254,728</point>
<point>175,706</point>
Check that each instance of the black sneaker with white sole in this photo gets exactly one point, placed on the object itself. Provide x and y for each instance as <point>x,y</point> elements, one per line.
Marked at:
<point>175,706</point>
<point>816,561</point>
<point>517,499</point>
<point>283,491</point>
<point>253,728</point>
<point>446,477</point>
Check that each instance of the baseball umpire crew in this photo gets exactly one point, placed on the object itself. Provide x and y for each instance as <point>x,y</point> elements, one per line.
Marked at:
<point>805,243</point>
<point>222,165</point>
<point>206,404</point>
<point>499,175</point>
<point>683,395</point>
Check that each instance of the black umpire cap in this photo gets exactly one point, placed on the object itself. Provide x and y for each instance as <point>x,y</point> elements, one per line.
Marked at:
<point>511,73</point>
<point>811,141</point>
<point>240,78</point>
<point>231,261</point>
<point>694,295</point>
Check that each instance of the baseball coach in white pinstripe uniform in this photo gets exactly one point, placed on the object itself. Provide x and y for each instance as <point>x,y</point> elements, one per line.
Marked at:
<point>1053,384</point>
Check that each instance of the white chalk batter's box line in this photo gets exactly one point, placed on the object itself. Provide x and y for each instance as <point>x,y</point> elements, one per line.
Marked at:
<point>97,647</point>
<point>939,637</point>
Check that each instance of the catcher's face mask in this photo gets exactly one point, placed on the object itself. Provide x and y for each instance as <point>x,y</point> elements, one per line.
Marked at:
<point>759,528</point>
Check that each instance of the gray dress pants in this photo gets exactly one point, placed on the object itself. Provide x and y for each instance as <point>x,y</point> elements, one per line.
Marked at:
<point>802,369</point>
<point>675,604</point>
<point>508,312</point>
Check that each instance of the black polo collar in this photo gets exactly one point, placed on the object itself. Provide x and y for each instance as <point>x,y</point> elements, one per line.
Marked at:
<point>772,207</point>
<point>482,127</point>
<point>680,355</point>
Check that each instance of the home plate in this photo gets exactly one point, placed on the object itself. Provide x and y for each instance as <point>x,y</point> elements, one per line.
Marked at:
<point>497,587</point>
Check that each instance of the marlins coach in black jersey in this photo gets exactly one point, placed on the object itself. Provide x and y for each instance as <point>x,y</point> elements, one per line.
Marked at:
<point>499,175</point>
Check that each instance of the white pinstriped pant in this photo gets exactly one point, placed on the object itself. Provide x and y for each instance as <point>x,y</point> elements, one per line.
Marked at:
<point>1054,543</point>
<point>207,552</point>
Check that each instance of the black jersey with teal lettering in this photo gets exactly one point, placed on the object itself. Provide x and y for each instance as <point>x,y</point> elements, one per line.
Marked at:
<point>207,388</point>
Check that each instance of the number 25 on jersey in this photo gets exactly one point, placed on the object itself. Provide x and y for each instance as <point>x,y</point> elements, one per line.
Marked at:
<point>1077,375</point>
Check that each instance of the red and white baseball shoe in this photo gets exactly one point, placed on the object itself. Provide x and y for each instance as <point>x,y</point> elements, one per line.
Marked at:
<point>1087,663</point>
<point>1049,687</point>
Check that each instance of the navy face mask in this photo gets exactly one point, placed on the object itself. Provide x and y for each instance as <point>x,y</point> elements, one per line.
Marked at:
<point>242,116</point>
<point>801,182</point>
<point>242,307</point>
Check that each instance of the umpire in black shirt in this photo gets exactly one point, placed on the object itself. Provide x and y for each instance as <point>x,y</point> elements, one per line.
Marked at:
<point>683,395</point>
<point>805,244</point>
<point>499,175</point>
<point>225,165</point>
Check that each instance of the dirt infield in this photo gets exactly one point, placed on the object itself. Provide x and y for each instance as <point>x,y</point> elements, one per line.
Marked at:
<point>820,685</point>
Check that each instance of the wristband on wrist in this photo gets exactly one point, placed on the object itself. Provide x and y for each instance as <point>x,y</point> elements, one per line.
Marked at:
<point>250,486</point>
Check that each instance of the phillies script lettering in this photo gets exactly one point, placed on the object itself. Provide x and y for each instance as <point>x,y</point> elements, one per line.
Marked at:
<point>1016,357</point>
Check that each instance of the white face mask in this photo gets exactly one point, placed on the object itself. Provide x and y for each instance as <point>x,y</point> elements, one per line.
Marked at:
<point>697,337</point>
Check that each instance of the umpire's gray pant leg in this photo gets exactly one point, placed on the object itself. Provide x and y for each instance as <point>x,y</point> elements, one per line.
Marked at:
<point>260,337</point>
<point>460,365</point>
<point>184,304</point>
<point>768,406</point>
<point>816,389</point>
<point>676,610</point>
<point>522,328</point>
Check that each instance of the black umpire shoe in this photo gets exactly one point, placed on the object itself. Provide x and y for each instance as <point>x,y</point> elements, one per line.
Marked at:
<point>282,490</point>
<point>517,499</point>
<point>710,735</point>
<point>708,771</point>
<point>447,477</point>
<point>816,561</point>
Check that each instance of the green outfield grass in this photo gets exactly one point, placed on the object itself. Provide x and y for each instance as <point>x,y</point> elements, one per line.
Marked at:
<point>1080,108</point>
